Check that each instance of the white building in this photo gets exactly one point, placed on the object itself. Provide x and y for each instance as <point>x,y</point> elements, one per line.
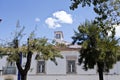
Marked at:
<point>67,68</point>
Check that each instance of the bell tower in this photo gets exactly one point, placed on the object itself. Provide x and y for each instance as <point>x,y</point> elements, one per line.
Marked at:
<point>58,35</point>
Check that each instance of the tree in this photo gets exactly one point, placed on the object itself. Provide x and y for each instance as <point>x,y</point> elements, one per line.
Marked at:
<point>108,11</point>
<point>44,51</point>
<point>97,48</point>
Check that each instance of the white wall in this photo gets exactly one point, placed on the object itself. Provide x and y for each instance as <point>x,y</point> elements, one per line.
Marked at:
<point>3,62</point>
<point>58,72</point>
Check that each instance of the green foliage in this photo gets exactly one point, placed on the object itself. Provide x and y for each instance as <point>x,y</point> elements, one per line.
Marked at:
<point>75,3</point>
<point>95,40</point>
<point>44,49</point>
<point>41,46</point>
<point>108,11</point>
<point>96,47</point>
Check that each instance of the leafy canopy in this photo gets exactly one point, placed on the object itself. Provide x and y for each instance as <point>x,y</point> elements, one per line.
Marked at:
<point>108,11</point>
<point>96,47</point>
<point>41,46</point>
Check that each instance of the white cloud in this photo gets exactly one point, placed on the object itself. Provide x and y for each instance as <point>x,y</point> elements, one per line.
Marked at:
<point>63,17</point>
<point>37,19</point>
<point>52,23</point>
<point>58,18</point>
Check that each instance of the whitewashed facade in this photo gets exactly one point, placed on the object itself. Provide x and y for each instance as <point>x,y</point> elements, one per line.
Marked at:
<point>57,72</point>
<point>67,68</point>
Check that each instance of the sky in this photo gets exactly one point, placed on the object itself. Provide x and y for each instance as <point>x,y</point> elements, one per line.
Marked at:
<point>43,16</point>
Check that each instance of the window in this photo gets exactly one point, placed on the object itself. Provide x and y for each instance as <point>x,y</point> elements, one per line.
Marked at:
<point>71,67</point>
<point>10,64</point>
<point>58,36</point>
<point>10,68</point>
<point>41,67</point>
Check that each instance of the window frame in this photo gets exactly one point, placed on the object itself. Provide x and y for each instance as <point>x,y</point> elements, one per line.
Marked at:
<point>71,58</point>
<point>41,65</point>
<point>71,66</point>
<point>58,36</point>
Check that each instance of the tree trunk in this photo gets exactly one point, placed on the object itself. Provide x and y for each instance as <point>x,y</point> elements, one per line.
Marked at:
<point>100,70</point>
<point>23,72</point>
<point>24,77</point>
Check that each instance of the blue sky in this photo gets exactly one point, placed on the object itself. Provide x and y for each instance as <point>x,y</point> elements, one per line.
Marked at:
<point>47,15</point>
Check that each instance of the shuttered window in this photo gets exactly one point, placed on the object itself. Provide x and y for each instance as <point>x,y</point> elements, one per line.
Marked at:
<point>71,67</point>
<point>41,67</point>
